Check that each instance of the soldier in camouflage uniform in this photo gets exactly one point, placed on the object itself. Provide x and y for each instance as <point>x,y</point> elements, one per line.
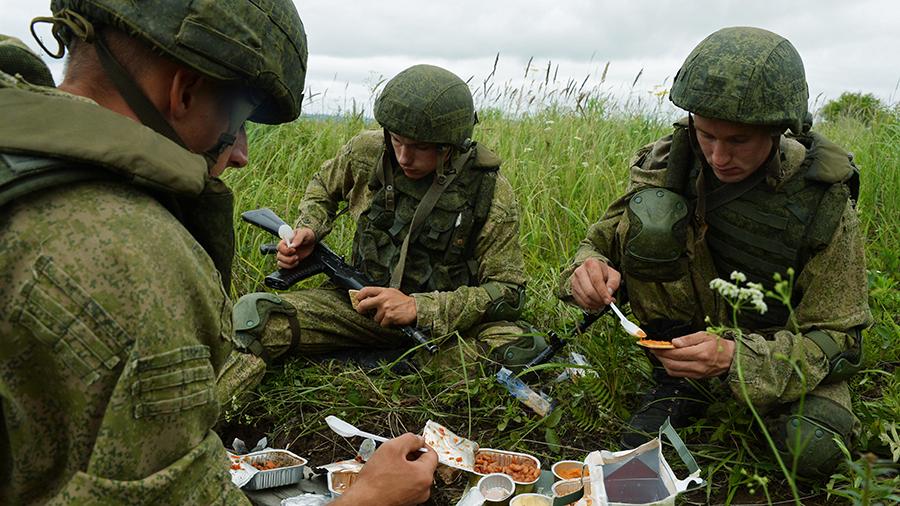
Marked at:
<point>728,191</point>
<point>460,270</point>
<point>116,249</point>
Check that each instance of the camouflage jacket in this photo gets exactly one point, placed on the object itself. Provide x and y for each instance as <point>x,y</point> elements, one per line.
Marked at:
<point>838,268</point>
<point>497,249</point>
<point>113,319</point>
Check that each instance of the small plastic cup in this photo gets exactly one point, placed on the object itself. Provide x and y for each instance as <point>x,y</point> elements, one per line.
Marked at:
<point>531,500</point>
<point>496,488</point>
<point>567,469</point>
<point>566,487</point>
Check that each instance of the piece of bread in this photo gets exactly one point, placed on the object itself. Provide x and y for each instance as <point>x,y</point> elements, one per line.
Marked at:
<point>353,300</point>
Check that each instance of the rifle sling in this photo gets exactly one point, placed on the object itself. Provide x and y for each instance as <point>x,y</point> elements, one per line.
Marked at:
<point>438,185</point>
<point>728,192</point>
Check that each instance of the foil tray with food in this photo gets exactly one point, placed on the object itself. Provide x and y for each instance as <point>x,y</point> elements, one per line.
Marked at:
<point>266,469</point>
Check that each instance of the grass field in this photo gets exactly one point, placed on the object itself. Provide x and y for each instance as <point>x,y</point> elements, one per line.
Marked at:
<point>567,164</point>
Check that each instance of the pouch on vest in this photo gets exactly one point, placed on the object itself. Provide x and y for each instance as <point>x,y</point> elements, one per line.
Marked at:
<point>656,240</point>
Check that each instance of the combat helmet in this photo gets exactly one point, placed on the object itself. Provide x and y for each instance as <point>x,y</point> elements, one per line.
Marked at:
<point>745,75</point>
<point>17,58</point>
<point>259,45</point>
<point>428,104</point>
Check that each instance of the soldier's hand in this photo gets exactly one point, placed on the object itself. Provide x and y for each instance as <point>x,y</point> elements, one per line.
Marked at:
<point>398,474</point>
<point>392,307</point>
<point>697,355</point>
<point>301,246</point>
<point>593,284</point>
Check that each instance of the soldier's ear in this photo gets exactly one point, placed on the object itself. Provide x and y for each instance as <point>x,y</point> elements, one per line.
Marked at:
<point>185,89</point>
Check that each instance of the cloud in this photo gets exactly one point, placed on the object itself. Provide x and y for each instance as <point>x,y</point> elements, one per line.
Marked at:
<point>845,45</point>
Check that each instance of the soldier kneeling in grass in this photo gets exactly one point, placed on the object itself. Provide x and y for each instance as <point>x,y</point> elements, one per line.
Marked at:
<point>730,190</point>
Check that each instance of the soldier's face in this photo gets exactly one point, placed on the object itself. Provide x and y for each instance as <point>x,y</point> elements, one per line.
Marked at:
<point>734,151</point>
<point>417,159</point>
<point>236,155</point>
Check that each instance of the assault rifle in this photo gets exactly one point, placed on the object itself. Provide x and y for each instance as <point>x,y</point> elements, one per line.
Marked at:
<point>557,344</point>
<point>321,260</point>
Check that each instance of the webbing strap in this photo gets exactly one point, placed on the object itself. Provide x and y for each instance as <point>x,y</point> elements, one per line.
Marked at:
<point>440,183</point>
<point>136,99</point>
<point>728,192</point>
<point>824,341</point>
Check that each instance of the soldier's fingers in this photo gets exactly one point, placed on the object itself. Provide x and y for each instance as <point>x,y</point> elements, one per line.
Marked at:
<point>585,285</point>
<point>379,317</point>
<point>597,271</point>
<point>613,281</point>
<point>581,299</point>
<point>284,249</point>
<point>286,262</point>
<point>369,292</point>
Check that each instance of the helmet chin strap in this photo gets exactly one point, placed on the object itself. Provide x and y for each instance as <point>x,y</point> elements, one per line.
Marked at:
<point>151,117</point>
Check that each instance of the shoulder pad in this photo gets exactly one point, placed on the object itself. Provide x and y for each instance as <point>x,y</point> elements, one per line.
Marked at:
<point>485,159</point>
<point>828,162</point>
<point>367,141</point>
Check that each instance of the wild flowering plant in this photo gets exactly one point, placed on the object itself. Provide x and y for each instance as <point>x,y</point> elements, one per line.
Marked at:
<point>751,296</point>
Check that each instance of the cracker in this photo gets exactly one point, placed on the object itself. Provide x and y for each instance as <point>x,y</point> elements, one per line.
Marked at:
<point>659,345</point>
<point>353,300</point>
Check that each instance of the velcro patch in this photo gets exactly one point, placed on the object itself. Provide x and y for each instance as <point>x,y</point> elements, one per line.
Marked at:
<point>173,381</point>
<point>61,314</point>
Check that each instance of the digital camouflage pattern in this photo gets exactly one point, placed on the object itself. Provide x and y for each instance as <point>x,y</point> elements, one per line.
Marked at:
<point>259,45</point>
<point>113,318</point>
<point>428,104</point>
<point>17,58</point>
<point>772,383</point>
<point>497,251</point>
<point>746,75</point>
<point>327,321</point>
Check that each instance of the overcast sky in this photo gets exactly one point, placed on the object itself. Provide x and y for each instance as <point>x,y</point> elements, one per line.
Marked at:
<point>846,45</point>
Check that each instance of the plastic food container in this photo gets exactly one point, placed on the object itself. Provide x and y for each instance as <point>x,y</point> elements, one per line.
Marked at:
<point>340,481</point>
<point>289,470</point>
<point>569,469</point>
<point>531,500</point>
<point>504,458</point>
<point>496,488</point>
<point>566,487</point>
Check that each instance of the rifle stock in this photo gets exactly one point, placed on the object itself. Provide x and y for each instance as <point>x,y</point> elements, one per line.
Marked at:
<point>321,260</point>
<point>557,344</point>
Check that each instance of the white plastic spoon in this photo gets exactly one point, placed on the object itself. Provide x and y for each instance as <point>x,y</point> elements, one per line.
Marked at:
<point>345,429</point>
<point>629,327</point>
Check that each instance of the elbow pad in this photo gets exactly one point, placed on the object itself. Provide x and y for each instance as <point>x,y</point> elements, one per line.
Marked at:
<point>507,301</point>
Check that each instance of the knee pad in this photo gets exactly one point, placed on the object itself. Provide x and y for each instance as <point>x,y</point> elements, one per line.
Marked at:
<point>251,313</point>
<point>516,354</point>
<point>809,436</point>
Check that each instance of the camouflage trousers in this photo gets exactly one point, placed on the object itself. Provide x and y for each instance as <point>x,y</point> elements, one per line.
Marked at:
<point>328,323</point>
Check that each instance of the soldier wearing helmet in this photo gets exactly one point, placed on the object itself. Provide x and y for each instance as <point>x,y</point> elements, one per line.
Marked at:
<point>461,267</point>
<point>117,245</point>
<point>741,185</point>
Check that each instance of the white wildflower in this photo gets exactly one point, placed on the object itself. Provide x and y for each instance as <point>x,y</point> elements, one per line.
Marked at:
<point>725,289</point>
<point>759,305</point>
<point>738,276</point>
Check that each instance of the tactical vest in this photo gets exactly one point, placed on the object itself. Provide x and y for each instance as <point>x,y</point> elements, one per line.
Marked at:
<point>440,255</point>
<point>206,216</point>
<point>766,231</point>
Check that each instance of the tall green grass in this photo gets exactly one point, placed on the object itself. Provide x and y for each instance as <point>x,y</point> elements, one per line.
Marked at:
<point>567,162</point>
